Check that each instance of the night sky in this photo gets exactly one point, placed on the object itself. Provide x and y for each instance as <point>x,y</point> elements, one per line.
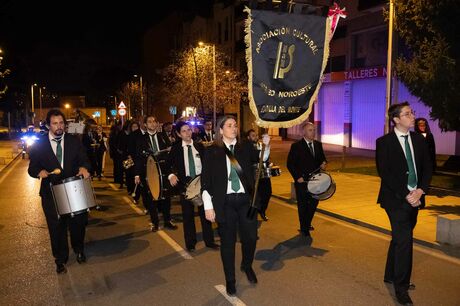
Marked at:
<point>78,47</point>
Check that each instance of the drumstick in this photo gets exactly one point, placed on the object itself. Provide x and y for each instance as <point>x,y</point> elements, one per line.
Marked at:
<point>134,192</point>
<point>56,171</point>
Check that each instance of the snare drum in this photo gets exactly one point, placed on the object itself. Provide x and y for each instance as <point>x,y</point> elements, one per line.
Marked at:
<point>321,186</point>
<point>73,196</point>
<point>268,172</point>
<point>193,191</point>
<point>156,180</point>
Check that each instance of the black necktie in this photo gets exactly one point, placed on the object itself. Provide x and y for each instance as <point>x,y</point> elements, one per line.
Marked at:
<point>154,143</point>
<point>310,146</point>
<point>58,150</point>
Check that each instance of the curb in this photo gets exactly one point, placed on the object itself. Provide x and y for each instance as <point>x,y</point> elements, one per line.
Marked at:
<point>8,164</point>
<point>368,225</point>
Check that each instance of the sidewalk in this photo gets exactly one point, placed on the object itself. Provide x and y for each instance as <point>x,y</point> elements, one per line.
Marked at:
<point>8,152</point>
<point>356,195</point>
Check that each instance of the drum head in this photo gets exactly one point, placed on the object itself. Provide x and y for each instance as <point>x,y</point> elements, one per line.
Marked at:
<point>193,188</point>
<point>319,183</point>
<point>327,194</point>
<point>154,178</point>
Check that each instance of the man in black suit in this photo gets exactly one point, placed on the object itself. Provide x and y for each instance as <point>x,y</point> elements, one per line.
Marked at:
<point>306,157</point>
<point>227,197</point>
<point>208,134</point>
<point>404,166</point>
<point>185,162</point>
<point>152,143</point>
<point>58,150</point>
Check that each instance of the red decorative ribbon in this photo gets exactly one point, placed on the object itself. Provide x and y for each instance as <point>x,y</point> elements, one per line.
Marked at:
<point>336,13</point>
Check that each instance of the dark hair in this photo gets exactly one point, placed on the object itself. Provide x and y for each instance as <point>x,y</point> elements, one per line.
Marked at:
<point>249,132</point>
<point>395,110</point>
<point>167,123</point>
<point>148,116</point>
<point>427,126</point>
<point>54,112</point>
<point>220,124</point>
<point>130,128</point>
<point>179,125</point>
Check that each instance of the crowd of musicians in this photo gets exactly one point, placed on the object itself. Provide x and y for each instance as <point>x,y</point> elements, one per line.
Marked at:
<point>226,166</point>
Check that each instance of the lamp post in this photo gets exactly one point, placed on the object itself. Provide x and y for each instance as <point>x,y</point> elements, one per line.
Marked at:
<point>389,66</point>
<point>32,101</point>
<point>141,93</point>
<point>40,101</point>
<point>214,80</point>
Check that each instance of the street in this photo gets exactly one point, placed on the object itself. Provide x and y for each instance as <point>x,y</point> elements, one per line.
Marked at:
<point>129,265</point>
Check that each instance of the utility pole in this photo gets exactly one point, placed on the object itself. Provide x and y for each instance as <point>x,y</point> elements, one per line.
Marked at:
<point>389,66</point>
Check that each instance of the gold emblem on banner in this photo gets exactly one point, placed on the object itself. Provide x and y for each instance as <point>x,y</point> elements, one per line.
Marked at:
<point>281,58</point>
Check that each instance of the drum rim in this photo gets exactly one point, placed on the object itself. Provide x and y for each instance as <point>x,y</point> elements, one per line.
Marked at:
<point>68,180</point>
<point>160,178</point>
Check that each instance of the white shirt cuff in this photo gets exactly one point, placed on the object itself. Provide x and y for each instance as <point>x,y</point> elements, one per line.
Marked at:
<point>170,176</point>
<point>207,200</point>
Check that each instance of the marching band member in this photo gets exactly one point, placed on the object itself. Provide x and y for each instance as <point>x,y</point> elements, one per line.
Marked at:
<point>151,143</point>
<point>63,151</point>
<point>265,185</point>
<point>305,157</point>
<point>227,196</point>
<point>208,134</point>
<point>185,161</point>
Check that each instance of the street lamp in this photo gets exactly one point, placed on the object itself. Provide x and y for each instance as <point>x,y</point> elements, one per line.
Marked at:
<point>40,100</point>
<point>389,66</point>
<point>67,107</point>
<point>214,81</point>
<point>32,100</point>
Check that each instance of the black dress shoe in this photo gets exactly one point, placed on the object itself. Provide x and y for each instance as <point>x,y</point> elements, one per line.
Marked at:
<point>61,269</point>
<point>411,285</point>
<point>263,216</point>
<point>231,288</point>
<point>170,225</point>
<point>191,249</point>
<point>155,228</point>
<point>251,275</point>
<point>213,246</point>
<point>404,298</point>
<point>311,228</point>
<point>81,258</point>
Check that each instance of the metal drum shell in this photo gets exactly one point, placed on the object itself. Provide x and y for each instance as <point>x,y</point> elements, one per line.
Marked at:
<point>73,195</point>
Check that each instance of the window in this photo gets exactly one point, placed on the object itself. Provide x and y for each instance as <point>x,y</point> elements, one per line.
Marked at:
<point>369,49</point>
<point>336,63</point>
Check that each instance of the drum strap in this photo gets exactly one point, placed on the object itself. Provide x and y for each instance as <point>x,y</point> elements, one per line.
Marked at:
<point>238,169</point>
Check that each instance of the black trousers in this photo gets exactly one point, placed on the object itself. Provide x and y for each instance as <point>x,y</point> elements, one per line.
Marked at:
<point>99,160</point>
<point>188,216</point>
<point>306,206</point>
<point>265,192</point>
<point>58,227</point>
<point>235,209</point>
<point>399,259</point>
<point>118,169</point>
<point>153,207</point>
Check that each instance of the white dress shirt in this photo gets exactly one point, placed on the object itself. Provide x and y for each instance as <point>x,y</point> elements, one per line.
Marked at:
<point>196,158</point>
<point>155,138</point>
<point>401,139</point>
<point>54,146</point>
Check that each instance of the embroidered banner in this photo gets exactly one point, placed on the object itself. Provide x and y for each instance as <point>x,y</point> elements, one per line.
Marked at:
<point>286,55</point>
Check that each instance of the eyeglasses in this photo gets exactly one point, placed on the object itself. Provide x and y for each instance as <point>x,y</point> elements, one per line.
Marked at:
<point>408,114</point>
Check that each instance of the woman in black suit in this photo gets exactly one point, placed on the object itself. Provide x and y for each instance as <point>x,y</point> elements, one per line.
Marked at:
<point>227,197</point>
<point>422,127</point>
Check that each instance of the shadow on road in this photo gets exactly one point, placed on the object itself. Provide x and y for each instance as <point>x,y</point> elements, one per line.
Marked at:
<point>443,209</point>
<point>297,246</point>
<point>118,246</point>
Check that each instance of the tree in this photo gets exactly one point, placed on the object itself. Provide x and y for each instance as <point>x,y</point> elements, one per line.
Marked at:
<point>130,94</point>
<point>3,75</point>
<point>431,70</point>
<point>189,80</point>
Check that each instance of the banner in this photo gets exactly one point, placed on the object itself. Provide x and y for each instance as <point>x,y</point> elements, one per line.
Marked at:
<point>286,55</point>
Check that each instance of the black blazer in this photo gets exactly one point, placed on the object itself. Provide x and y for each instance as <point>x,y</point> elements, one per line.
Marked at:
<point>393,171</point>
<point>143,147</point>
<point>176,163</point>
<point>300,161</point>
<point>42,157</point>
<point>214,176</point>
<point>205,137</point>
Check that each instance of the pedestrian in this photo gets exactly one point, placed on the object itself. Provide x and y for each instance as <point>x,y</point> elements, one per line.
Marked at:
<point>305,158</point>
<point>422,127</point>
<point>208,135</point>
<point>227,185</point>
<point>405,170</point>
<point>101,148</point>
<point>185,164</point>
<point>57,149</point>
<point>264,190</point>
<point>115,130</point>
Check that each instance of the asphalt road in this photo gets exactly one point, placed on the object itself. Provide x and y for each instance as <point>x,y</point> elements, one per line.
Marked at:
<point>129,265</point>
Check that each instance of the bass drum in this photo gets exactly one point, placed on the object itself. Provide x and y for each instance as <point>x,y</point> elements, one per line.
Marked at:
<point>73,196</point>
<point>321,186</point>
<point>156,180</point>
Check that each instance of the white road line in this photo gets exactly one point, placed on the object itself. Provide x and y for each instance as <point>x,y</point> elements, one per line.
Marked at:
<point>113,187</point>
<point>130,203</point>
<point>232,299</point>
<point>162,234</point>
<point>174,245</point>
<point>425,250</point>
<point>8,171</point>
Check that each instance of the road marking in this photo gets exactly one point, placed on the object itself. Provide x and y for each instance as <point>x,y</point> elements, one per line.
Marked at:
<point>232,299</point>
<point>174,245</point>
<point>113,187</point>
<point>382,236</point>
<point>162,234</point>
<point>130,203</point>
<point>8,171</point>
